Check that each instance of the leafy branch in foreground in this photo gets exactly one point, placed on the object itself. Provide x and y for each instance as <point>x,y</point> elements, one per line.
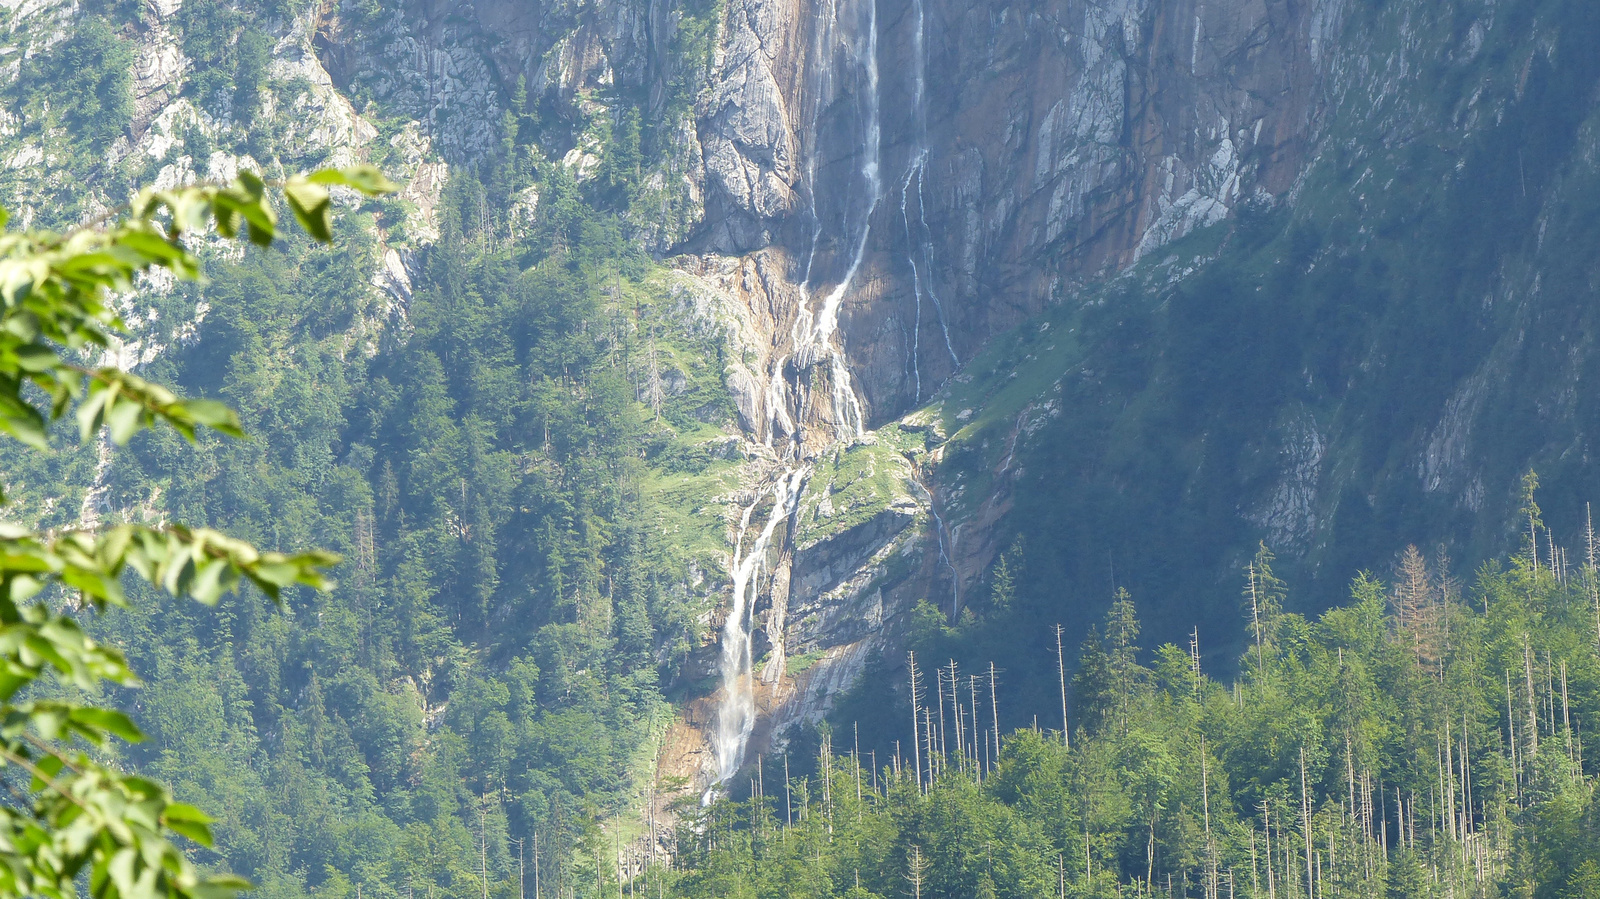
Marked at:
<point>72,819</point>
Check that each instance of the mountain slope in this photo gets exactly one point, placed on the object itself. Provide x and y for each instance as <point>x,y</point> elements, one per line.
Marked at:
<point>706,340</point>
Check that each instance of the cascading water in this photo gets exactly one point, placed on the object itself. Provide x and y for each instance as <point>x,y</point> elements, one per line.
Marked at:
<point>916,286</point>
<point>942,534</point>
<point>736,717</point>
<point>813,333</point>
<point>778,419</point>
<point>920,242</point>
<point>927,252</point>
<point>821,86</point>
<point>812,338</point>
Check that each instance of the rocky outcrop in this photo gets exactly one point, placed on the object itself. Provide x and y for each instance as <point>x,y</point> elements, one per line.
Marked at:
<point>930,173</point>
<point>1019,152</point>
<point>1012,153</point>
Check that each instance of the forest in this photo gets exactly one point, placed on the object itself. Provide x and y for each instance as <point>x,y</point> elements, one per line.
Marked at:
<point>1427,738</point>
<point>496,651</point>
<point>525,460</point>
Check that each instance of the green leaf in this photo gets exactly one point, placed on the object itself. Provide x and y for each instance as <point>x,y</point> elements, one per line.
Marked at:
<point>152,248</point>
<point>227,217</point>
<point>110,721</point>
<point>246,200</point>
<point>124,416</point>
<point>16,281</point>
<point>197,832</point>
<point>25,425</point>
<point>211,581</point>
<point>189,821</point>
<point>91,412</point>
<point>47,721</point>
<point>50,765</point>
<point>221,886</point>
<point>250,183</point>
<point>260,235</point>
<point>311,204</point>
<point>182,811</point>
<point>121,868</point>
<point>34,358</point>
<point>367,179</point>
<point>189,209</point>
<point>101,588</point>
<point>214,415</point>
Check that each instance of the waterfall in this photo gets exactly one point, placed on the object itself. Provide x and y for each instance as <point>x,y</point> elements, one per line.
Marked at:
<point>777,409</point>
<point>920,242</point>
<point>821,86</point>
<point>941,533</point>
<point>814,341</point>
<point>828,317</point>
<point>927,245</point>
<point>813,334</point>
<point>916,282</point>
<point>736,717</point>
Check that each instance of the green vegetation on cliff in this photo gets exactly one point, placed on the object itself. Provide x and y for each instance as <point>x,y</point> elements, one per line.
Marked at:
<point>491,442</point>
<point>520,444</point>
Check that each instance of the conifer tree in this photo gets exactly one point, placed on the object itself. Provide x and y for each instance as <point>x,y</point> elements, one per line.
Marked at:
<point>1417,606</point>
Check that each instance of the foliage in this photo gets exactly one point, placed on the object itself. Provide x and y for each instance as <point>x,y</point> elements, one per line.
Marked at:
<point>1373,768</point>
<point>486,458</point>
<point>84,85</point>
<point>76,816</point>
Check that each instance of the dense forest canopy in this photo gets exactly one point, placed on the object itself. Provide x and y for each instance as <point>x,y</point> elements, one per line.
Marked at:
<point>492,659</point>
<point>1424,739</point>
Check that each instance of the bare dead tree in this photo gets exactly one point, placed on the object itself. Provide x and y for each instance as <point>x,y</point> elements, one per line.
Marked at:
<point>1415,602</point>
<point>1533,708</point>
<point>1194,659</point>
<point>1591,576</point>
<point>994,708</point>
<point>917,870</point>
<point>1061,675</point>
<point>916,744</point>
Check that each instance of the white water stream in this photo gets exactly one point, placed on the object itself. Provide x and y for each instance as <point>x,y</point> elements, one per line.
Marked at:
<point>920,243</point>
<point>736,718</point>
<point>821,86</point>
<point>813,339</point>
<point>813,332</point>
<point>942,535</point>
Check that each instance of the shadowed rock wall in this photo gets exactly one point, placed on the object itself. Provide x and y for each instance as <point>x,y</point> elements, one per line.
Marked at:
<point>1022,147</point>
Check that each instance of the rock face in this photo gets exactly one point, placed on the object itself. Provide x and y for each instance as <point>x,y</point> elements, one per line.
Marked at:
<point>986,157</point>
<point>875,189</point>
<point>1017,151</point>
<point>941,171</point>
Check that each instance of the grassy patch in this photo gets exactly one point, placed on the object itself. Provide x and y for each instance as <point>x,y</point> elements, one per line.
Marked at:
<point>850,486</point>
<point>799,663</point>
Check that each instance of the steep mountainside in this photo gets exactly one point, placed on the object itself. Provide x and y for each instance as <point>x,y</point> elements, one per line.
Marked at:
<point>707,339</point>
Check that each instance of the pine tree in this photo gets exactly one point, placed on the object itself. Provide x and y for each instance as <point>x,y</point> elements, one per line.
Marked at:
<point>1406,879</point>
<point>1264,595</point>
<point>1416,606</point>
<point>1529,512</point>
